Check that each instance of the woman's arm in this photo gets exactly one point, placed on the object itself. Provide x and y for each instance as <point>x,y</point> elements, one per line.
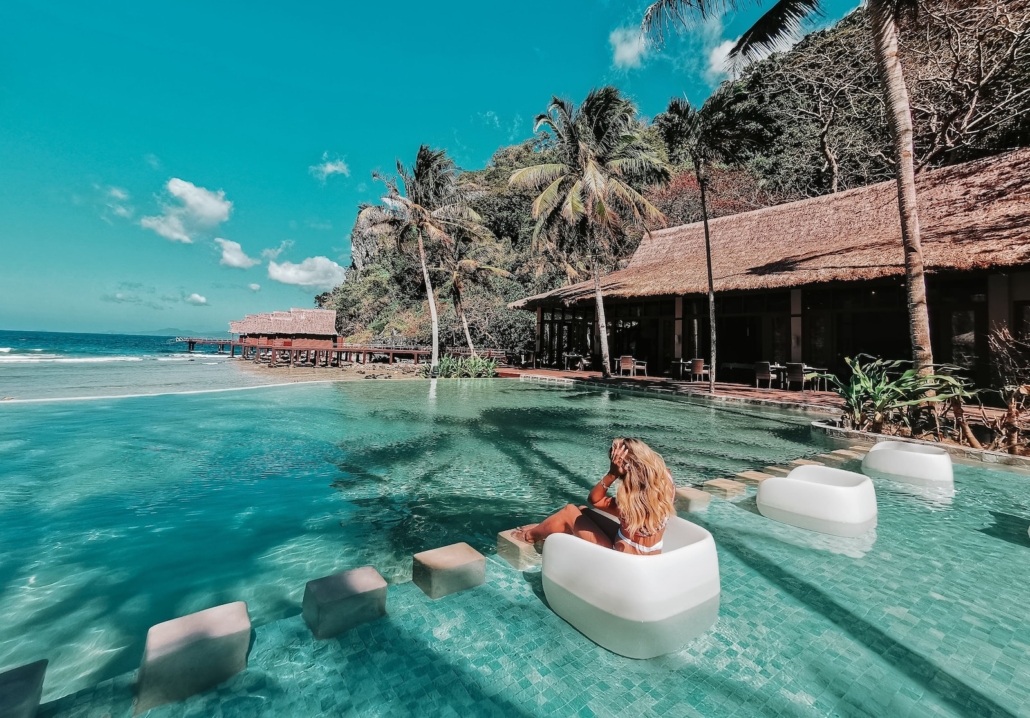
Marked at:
<point>599,493</point>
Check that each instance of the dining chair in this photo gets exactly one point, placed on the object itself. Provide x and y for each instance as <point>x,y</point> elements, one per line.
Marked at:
<point>638,364</point>
<point>626,364</point>
<point>795,373</point>
<point>698,368</point>
<point>763,372</point>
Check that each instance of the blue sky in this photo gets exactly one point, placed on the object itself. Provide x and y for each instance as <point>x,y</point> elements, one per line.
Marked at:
<point>180,165</point>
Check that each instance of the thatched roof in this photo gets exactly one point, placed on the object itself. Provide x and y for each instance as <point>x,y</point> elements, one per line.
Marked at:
<point>296,322</point>
<point>974,216</point>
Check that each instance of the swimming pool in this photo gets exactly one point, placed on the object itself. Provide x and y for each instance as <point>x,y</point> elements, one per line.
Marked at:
<point>115,515</point>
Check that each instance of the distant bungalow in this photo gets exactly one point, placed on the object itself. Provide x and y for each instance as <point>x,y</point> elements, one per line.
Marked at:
<point>817,280</point>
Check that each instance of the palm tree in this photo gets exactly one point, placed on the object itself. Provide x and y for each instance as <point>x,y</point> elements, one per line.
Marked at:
<point>463,266</point>
<point>717,132</point>
<point>429,209</point>
<point>782,21</point>
<point>585,195</point>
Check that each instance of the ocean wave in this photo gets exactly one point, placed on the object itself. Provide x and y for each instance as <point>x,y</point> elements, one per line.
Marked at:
<point>4,350</point>
<point>56,359</point>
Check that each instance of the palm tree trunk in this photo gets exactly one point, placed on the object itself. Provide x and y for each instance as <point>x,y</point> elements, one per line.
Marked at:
<point>699,172</point>
<point>602,325</point>
<point>432,304</point>
<point>899,121</point>
<point>459,308</point>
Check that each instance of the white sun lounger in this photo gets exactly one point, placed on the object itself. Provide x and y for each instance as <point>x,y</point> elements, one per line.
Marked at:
<point>911,464</point>
<point>822,499</point>
<point>636,606</point>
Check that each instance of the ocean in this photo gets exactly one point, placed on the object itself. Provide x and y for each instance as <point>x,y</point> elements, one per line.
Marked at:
<point>56,365</point>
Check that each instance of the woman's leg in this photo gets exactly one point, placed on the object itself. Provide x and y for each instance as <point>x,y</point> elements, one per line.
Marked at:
<point>570,520</point>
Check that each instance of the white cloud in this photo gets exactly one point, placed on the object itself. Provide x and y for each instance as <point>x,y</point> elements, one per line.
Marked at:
<point>234,256</point>
<point>329,167</point>
<point>274,253</point>
<point>152,160</point>
<point>198,209</point>
<point>197,300</point>
<point>629,47</point>
<point>254,287</point>
<point>117,193</point>
<point>719,65</point>
<point>313,272</point>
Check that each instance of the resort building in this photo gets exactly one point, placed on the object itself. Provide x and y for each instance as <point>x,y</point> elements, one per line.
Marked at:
<point>816,281</point>
<point>313,324</point>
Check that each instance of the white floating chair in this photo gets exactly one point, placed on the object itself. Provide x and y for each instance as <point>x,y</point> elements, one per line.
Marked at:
<point>928,466</point>
<point>636,606</point>
<point>818,498</point>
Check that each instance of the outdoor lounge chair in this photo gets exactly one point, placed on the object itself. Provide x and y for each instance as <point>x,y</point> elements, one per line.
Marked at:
<point>698,368</point>
<point>763,372</point>
<point>818,498</point>
<point>795,374</point>
<point>928,466</point>
<point>639,365</point>
<point>636,606</point>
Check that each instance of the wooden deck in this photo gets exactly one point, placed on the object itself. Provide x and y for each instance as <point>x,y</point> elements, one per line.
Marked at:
<point>823,402</point>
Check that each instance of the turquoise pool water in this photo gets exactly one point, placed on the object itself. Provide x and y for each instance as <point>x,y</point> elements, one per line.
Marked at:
<point>115,515</point>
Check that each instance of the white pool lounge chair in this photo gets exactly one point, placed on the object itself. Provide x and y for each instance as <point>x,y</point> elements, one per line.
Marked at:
<point>822,499</point>
<point>636,606</point>
<point>910,463</point>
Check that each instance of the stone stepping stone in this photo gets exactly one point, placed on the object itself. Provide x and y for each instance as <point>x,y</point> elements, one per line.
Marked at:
<point>836,459</point>
<point>864,448</point>
<point>336,603</point>
<point>753,477</point>
<point>192,654</point>
<point>849,454</point>
<point>443,571</point>
<point>807,462</point>
<point>777,470</point>
<point>20,690</point>
<point>519,554</point>
<point>690,499</point>
<point>725,488</point>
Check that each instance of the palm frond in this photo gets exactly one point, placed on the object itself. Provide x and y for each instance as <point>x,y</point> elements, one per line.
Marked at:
<point>781,23</point>
<point>550,198</point>
<point>663,14</point>
<point>537,176</point>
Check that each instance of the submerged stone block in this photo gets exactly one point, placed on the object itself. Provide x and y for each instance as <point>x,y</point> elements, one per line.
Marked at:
<point>753,477</point>
<point>806,462</point>
<point>336,603</point>
<point>192,654</point>
<point>725,488</point>
<point>443,571</point>
<point>690,499</point>
<point>849,453</point>
<point>777,470</point>
<point>833,459</point>
<point>20,690</point>
<point>519,554</point>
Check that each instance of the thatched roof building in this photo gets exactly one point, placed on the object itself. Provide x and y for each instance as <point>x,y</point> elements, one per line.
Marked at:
<point>296,322</point>
<point>974,216</point>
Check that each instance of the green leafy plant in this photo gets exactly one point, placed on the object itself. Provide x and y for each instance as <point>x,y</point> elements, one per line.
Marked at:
<point>473,367</point>
<point>888,394</point>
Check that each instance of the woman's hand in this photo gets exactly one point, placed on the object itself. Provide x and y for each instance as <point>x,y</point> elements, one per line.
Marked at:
<point>620,457</point>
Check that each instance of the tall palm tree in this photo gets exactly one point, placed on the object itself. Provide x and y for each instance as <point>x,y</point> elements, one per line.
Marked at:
<point>782,21</point>
<point>717,132</point>
<point>585,197</point>
<point>463,266</point>
<point>423,204</point>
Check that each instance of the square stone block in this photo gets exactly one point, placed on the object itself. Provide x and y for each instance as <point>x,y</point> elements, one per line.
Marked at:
<point>519,554</point>
<point>864,448</point>
<point>753,477</point>
<point>20,690</point>
<point>726,488</point>
<point>335,603</point>
<point>849,454</point>
<point>777,470</point>
<point>443,571</point>
<point>690,499</point>
<point>192,654</point>
<point>806,462</point>
<point>833,459</point>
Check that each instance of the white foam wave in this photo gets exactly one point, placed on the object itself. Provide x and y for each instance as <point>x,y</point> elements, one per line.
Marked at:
<point>55,359</point>
<point>47,400</point>
<point>4,350</point>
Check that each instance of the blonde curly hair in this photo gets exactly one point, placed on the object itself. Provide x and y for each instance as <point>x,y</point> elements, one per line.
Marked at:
<point>647,494</point>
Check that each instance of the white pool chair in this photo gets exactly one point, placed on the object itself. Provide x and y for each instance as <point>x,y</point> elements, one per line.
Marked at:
<point>910,464</point>
<point>822,499</point>
<point>636,606</point>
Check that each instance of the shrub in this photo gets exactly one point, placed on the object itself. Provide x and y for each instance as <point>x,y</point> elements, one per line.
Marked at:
<point>474,367</point>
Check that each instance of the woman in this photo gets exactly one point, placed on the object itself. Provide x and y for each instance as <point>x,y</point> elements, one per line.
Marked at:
<point>642,504</point>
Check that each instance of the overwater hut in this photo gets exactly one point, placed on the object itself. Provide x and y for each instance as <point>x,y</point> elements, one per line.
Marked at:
<point>817,280</point>
<point>294,325</point>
